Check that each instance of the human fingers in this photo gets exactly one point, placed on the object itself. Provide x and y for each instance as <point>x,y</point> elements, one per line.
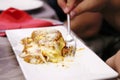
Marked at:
<point>117,62</point>
<point>62,3</point>
<point>67,5</point>
<point>110,62</point>
<point>70,5</point>
<point>114,62</point>
<point>88,5</point>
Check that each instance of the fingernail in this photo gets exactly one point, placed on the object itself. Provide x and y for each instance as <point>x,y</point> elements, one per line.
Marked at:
<point>66,10</point>
<point>72,14</point>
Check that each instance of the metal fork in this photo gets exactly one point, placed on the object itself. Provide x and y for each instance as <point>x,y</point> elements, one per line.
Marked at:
<point>70,41</point>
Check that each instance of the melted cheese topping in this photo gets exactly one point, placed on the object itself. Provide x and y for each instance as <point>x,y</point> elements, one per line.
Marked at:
<point>44,46</point>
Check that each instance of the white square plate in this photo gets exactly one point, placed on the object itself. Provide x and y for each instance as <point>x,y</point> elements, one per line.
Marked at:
<point>86,64</point>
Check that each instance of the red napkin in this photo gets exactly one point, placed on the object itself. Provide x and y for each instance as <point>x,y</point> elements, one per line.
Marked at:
<point>15,19</point>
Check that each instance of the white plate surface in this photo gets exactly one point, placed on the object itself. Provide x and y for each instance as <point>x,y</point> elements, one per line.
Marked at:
<point>86,64</point>
<point>20,4</point>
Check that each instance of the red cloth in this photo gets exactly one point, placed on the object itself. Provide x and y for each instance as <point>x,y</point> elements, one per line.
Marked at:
<point>15,19</point>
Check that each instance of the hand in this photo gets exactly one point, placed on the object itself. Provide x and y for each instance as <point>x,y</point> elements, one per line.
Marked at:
<point>75,7</point>
<point>86,25</point>
<point>114,62</point>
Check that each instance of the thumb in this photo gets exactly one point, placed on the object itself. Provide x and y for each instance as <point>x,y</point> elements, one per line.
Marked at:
<point>110,62</point>
<point>117,62</point>
<point>114,62</point>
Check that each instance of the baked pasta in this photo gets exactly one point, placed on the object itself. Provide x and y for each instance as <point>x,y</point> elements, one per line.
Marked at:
<point>44,46</point>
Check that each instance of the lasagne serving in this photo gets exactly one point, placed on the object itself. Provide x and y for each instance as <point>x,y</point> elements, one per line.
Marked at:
<point>44,46</point>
